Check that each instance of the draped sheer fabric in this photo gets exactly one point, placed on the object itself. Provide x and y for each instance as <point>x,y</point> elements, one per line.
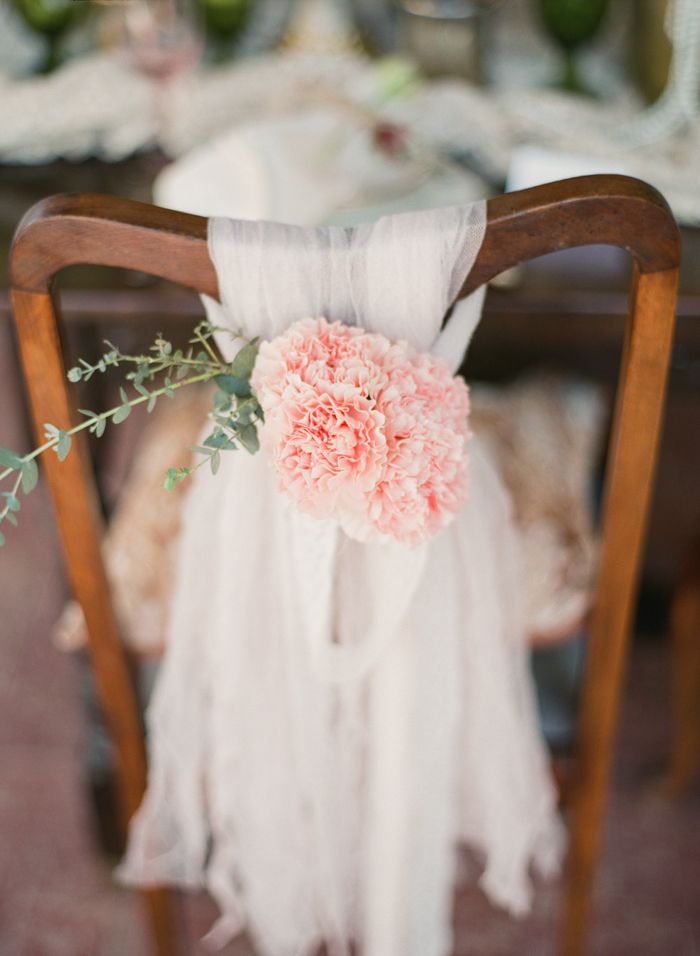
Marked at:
<point>333,718</point>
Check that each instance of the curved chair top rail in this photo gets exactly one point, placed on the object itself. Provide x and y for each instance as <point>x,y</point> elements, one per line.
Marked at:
<point>69,229</point>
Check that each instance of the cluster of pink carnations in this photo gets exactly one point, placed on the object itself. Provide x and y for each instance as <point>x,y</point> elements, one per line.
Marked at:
<point>367,431</point>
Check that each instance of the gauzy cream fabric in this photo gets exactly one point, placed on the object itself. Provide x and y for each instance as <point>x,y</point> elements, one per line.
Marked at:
<point>332,717</point>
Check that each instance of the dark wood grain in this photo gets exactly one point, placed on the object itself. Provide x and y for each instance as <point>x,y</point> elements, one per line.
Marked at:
<point>607,210</point>
<point>628,487</point>
<point>616,210</point>
<point>69,229</point>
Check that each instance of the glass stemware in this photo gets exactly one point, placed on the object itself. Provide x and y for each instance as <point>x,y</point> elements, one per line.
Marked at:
<point>224,20</point>
<point>51,19</point>
<point>164,39</point>
<point>571,23</point>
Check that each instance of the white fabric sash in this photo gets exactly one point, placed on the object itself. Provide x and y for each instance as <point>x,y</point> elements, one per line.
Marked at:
<point>332,717</point>
<point>397,276</point>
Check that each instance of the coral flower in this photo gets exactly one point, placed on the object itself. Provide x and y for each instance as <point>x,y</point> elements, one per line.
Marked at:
<point>368,431</point>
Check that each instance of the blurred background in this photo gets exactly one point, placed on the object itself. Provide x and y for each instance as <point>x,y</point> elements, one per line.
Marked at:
<point>334,112</point>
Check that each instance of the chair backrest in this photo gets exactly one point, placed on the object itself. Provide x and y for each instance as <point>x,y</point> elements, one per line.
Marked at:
<point>615,210</point>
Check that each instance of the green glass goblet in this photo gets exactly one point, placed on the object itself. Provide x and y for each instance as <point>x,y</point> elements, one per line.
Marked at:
<point>572,23</point>
<point>51,19</point>
<point>224,20</point>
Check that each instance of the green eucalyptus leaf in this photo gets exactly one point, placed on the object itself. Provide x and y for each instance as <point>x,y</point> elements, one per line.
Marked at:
<point>99,427</point>
<point>170,479</point>
<point>243,363</point>
<point>121,414</point>
<point>220,441</point>
<point>11,518</point>
<point>30,475</point>
<point>248,437</point>
<point>215,462</point>
<point>10,459</point>
<point>247,410</point>
<point>75,374</point>
<point>233,385</point>
<point>222,400</point>
<point>63,445</point>
<point>12,501</point>
<point>151,403</point>
<point>2,539</point>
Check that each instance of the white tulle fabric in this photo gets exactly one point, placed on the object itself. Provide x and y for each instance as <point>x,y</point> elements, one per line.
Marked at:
<point>332,718</point>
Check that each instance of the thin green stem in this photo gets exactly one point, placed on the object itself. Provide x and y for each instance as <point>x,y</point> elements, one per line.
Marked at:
<point>5,473</point>
<point>168,361</point>
<point>203,339</point>
<point>157,393</point>
<point>145,374</point>
<point>15,489</point>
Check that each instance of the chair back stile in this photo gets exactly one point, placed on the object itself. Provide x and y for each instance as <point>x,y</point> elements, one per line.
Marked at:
<point>616,210</point>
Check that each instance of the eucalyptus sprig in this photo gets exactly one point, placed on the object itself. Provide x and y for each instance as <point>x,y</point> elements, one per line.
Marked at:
<point>158,373</point>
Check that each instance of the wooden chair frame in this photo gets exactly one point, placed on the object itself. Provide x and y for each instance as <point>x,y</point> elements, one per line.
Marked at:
<point>67,229</point>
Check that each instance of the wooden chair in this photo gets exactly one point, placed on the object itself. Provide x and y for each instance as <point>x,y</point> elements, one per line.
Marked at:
<point>615,210</point>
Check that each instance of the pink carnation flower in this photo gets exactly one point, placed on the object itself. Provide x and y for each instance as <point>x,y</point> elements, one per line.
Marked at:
<point>367,431</point>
